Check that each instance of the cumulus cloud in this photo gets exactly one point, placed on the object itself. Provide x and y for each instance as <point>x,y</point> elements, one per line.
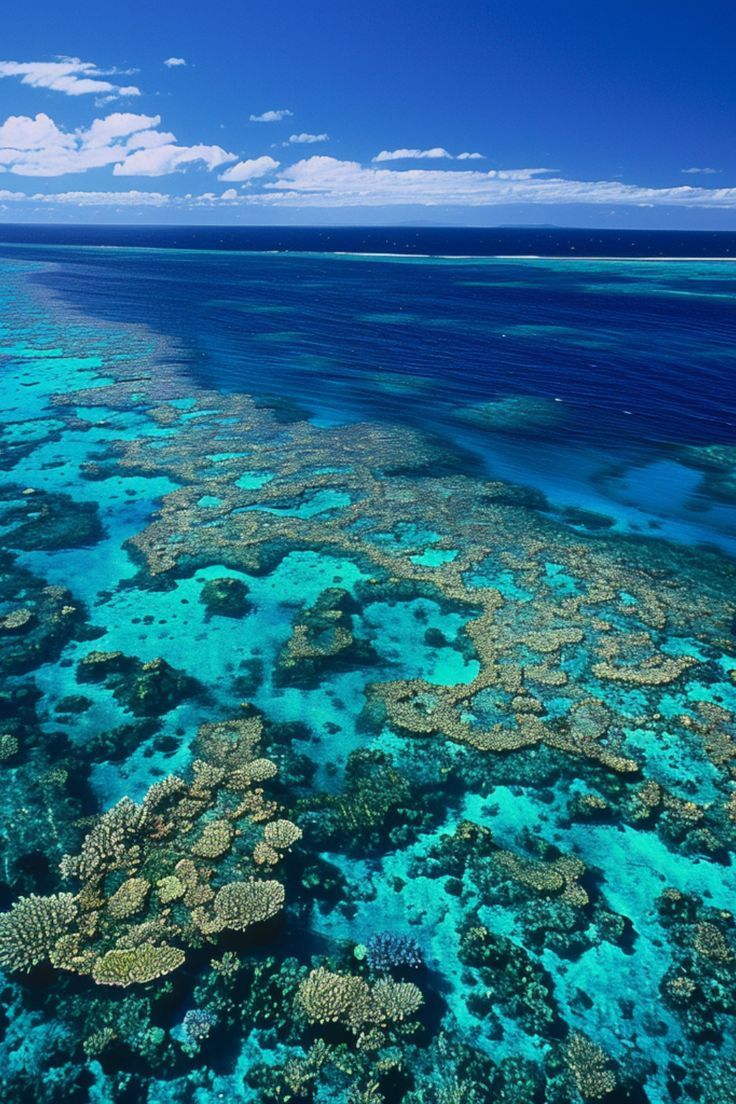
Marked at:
<point>412,154</point>
<point>305,139</point>
<point>701,172</point>
<point>158,160</point>
<point>104,132</point>
<point>249,170</point>
<point>273,116</point>
<point>174,62</point>
<point>72,76</point>
<point>321,181</point>
<point>328,182</point>
<point>23,133</point>
<point>470,157</point>
<point>132,143</point>
<point>38,147</point>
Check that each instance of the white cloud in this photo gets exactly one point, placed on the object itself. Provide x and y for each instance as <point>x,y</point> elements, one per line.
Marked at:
<point>168,158</point>
<point>90,199</point>
<point>132,143</point>
<point>274,116</point>
<point>150,139</point>
<point>305,139</point>
<point>249,170</point>
<point>328,182</point>
<point>103,132</point>
<point>132,198</point>
<point>129,198</point>
<point>436,153</point>
<point>412,154</point>
<point>701,172</point>
<point>71,76</point>
<point>38,147</point>
<point>174,62</point>
<point>21,132</point>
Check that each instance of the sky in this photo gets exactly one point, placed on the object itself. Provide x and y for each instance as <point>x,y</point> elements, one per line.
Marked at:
<point>611,113</point>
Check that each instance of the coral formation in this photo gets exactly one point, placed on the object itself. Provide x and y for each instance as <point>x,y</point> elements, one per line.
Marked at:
<point>386,951</point>
<point>227,597</point>
<point>326,997</point>
<point>528,415</point>
<point>589,1067</point>
<point>238,905</point>
<point>198,1023</point>
<point>114,928</point>
<point>30,931</point>
<point>137,965</point>
<point>36,619</point>
<point>38,519</point>
<point>146,689</point>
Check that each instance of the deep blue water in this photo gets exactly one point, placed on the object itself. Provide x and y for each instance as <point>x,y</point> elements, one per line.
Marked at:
<point>634,359</point>
<point>546,241</point>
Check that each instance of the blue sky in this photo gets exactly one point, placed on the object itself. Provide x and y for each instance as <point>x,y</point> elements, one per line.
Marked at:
<point>570,112</point>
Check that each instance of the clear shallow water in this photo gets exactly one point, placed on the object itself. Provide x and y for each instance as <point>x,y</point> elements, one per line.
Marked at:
<point>342,490</point>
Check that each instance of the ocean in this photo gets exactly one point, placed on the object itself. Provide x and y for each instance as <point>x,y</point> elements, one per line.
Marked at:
<point>367,623</point>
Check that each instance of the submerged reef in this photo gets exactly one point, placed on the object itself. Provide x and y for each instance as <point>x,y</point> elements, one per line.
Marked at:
<point>717,463</point>
<point>524,415</point>
<point>227,597</point>
<point>146,689</point>
<point>35,520</point>
<point>36,619</point>
<point>335,772</point>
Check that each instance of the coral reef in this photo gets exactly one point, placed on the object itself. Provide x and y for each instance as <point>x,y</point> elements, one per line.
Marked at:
<point>114,928</point>
<point>528,415</point>
<point>36,619</point>
<point>467,835</point>
<point>387,951</point>
<point>323,639</point>
<point>146,689</point>
<point>40,520</point>
<point>198,1023</point>
<point>226,597</point>
<point>326,997</point>
<point>589,1067</point>
<point>31,930</point>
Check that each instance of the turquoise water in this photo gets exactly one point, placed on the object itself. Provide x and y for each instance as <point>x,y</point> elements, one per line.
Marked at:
<point>495,718</point>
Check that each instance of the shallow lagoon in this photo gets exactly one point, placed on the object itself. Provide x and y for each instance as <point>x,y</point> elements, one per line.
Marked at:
<point>500,720</point>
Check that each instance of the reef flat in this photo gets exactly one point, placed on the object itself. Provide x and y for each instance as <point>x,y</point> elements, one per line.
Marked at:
<point>336,772</point>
